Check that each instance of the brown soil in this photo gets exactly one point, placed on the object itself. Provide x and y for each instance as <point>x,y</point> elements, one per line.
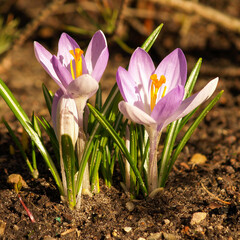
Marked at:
<point>211,188</point>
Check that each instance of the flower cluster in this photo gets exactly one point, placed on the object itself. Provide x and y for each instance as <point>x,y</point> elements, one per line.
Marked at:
<point>152,97</point>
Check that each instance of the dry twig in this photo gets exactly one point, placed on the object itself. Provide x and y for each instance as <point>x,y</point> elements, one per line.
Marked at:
<point>205,12</point>
<point>213,196</point>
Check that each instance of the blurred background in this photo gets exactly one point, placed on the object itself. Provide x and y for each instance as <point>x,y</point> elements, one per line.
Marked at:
<point>207,29</point>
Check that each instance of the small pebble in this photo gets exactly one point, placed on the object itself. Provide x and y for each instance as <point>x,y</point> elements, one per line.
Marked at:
<point>114,233</point>
<point>231,139</point>
<point>198,159</point>
<point>142,224</point>
<point>166,221</point>
<point>108,236</point>
<point>199,229</point>
<point>219,227</point>
<point>198,217</point>
<point>49,238</point>
<point>127,229</point>
<point>155,236</point>
<point>229,169</point>
<point>2,227</point>
<point>16,227</point>
<point>130,206</point>
<point>170,236</point>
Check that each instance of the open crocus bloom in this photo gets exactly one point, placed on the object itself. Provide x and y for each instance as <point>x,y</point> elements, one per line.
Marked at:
<point>154,97</point>
<point>77,76</point>
<point>70,69</point>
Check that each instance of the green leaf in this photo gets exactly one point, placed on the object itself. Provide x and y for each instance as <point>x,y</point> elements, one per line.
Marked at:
<point>19,145</point>
<point>192,79</point>
<point>174,127</point>
<point>152,38</point>
<point>27,125</point>
<point>37,129</point>
<point>120,144</point>
<point>190,131</point>
<point>69,160</point>
<point>98,101</point>
<point>50,132</point>
<point>48,98</point>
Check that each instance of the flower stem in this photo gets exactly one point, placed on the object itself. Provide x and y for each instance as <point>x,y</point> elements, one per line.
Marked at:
<point>154,138</point>
<point>81,103</point>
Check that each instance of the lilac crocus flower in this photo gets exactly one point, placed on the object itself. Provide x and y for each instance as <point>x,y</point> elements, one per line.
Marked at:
<point>76,74</point>
<point>153,97</point>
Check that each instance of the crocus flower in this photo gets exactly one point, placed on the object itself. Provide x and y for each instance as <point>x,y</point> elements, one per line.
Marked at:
<point>153,96</point>
<point>76,74</point>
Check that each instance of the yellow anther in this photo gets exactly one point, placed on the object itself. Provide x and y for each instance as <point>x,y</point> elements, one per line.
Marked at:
<point>155,86</point>
<point>164,91</point>
<point>78,62</point>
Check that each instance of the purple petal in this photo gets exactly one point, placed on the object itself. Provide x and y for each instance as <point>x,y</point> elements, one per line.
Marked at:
<point>96,56</point>
<point>166,106</point>
<point>141,68</point>
<point>128,88</point>
<point>84,86</point>
<point>174,68</point>
<point>65,44</point>
<point>192,102</point>
<point>84,66</point>
<point>62,72</point>
<point>44,58</point>
<point>56,99</point>
<point>135,114</point>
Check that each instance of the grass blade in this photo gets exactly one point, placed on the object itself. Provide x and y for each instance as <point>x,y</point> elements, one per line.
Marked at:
<point>48,98</point>
<point>175,126</point>
<point>120,144</point>
<point>190,131</point>
<point>27,125</point>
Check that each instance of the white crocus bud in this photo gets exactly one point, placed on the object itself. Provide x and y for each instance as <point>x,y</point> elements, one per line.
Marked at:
<point>67,118</point>
<point>67,124</point>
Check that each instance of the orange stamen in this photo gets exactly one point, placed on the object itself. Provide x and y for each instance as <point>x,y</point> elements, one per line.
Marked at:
<point>78,62</point>
<point>155,86</point>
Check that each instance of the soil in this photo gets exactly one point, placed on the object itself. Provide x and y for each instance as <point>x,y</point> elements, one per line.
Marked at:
<point>211,189</point>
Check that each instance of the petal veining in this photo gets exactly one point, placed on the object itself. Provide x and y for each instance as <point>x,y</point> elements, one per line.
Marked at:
<point>96,56</point>
<point>194,101</point>
<point>141,68</point>
<point>44,58</point>
<point>174,68</point>
<point>65,45</point>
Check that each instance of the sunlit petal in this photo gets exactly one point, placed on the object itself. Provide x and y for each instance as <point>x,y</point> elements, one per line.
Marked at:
<point>135,114</point>
<point>96,56</point>
<point>84,86</point>
<point>194,101</point>
<point>44,58</point>
<point>65,44</point>
<point>128,88</point>
<point>174,68</point>
<point>168,104</point>
<point>62,72</point>
<point>141,68</point>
